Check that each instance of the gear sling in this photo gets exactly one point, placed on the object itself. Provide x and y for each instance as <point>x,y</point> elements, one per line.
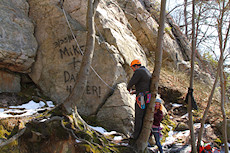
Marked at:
<point>141,99</point>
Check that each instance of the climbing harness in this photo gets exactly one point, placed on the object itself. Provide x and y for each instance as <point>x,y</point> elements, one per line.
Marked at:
<point>61,3</point>
<point>156,130</point>
<point>141,99</point>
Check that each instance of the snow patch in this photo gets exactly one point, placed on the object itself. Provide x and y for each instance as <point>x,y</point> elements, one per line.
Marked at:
<point>176,105</point>
<point>27,109</point>
<point>117,138</point>
<point>98,129</point>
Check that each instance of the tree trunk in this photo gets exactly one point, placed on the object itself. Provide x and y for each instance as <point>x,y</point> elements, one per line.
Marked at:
<point>185,17</point>
<point>143,138</point>
<point>193,143</point>
<point>222,47</point>
<point>223,110</point>
<point>82,77</point>
<point>207,107</point>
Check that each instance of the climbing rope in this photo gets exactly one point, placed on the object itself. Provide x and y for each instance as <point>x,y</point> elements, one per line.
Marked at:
<point>72,31</point>
<point>80,48</point>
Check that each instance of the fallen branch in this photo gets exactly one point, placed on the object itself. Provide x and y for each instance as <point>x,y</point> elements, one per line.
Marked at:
<point>15,137</point>
<point>54,118</point>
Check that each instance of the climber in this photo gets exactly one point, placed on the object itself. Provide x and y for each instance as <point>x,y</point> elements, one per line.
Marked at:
<point>141,80</point>
<point>156,129</point>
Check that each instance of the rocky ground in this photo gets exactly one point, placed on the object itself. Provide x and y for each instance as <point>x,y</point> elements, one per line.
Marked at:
<point>172,89</point>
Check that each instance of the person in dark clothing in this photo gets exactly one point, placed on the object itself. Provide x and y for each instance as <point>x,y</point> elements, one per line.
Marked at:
<point>141,80</point>
<point>158,115</point>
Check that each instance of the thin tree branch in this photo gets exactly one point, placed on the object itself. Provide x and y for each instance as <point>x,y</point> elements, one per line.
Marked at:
<point>227,35</point>
<point>95,4</point>
<point>15,137</point>
<point>177,7</point>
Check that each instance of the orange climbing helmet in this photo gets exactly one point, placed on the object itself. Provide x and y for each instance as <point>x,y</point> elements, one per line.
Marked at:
<point>135,62</point>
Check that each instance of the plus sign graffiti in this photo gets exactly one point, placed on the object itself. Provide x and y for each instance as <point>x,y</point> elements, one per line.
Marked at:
<point>68,50</point>
<point>74,62</point>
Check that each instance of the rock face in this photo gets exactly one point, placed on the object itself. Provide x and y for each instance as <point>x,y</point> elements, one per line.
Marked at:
<point>59,57</point>
<point>17,43</point>
<point>118,111</point>
<point>143,17</point>
<point>126,30</point>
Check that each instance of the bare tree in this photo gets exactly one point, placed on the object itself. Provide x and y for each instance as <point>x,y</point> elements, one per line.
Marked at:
<point>83,74</point>
<point>185,17</point>
<point>208,106</point>
<point>203,20</point>
<point>193,143</point>
<point>222,47</point>
<point>143,138</point>
<point>224,130</point>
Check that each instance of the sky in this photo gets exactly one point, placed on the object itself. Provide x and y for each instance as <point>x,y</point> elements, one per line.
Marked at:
<point>170,4</point>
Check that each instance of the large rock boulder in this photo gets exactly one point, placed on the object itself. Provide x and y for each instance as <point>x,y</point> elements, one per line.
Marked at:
<point>59,57</point>
<point>118,111</point>
<point>17,43</point>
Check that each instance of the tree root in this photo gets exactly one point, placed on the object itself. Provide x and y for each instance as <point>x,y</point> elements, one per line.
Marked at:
<point>41,132</point>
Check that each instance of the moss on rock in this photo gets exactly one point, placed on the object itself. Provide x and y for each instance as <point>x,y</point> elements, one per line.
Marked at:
<point>166,122</point>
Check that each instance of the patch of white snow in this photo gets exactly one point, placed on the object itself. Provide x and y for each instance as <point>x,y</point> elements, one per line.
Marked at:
<point>99,129</point>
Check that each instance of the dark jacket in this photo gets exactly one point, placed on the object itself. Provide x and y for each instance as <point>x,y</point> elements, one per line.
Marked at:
<point>158,117</point>
<point>141,79</point>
